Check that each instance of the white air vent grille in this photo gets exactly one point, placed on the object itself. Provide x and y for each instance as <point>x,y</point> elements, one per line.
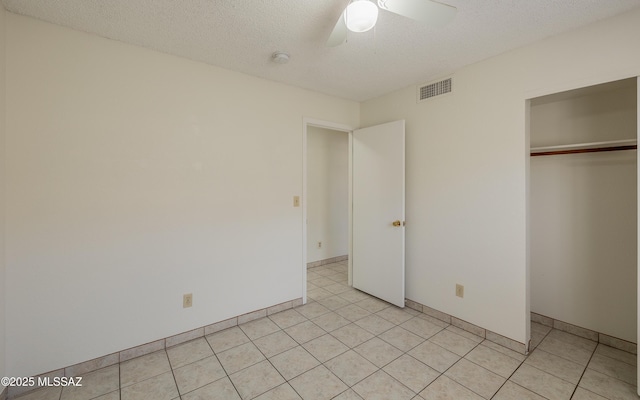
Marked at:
<point>434,89</point>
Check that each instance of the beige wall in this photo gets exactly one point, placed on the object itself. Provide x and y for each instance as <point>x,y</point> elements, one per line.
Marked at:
<point>593,114</point>
<point>2,194</point>
<point>583,240</point>
<point>467,169</point>
<point>327,193</point>
<point>134,177</point>
<point>584,212</point>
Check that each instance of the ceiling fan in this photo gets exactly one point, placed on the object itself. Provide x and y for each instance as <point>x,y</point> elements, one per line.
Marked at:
<point>361,15</point>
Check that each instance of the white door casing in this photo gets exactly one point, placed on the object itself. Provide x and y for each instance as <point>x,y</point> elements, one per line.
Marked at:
<point>638,227</point>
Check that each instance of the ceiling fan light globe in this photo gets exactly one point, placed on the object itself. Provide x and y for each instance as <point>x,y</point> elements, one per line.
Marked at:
<point>361,15</point>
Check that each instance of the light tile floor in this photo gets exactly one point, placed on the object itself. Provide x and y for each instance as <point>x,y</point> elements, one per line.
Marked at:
<point>345,345</point>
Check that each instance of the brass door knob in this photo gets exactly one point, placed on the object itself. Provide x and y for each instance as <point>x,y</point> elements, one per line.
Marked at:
<point>397,223</point>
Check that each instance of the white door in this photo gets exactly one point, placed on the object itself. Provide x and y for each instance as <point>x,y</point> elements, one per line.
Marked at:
<point>378,211</point>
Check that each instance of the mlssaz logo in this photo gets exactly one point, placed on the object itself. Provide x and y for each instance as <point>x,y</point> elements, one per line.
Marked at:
<point>59,381</point>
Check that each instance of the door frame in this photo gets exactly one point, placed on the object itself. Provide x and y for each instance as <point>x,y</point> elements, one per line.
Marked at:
<point>347,129</point>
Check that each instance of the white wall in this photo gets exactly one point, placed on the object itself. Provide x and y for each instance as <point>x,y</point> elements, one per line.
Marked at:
<point>327,193</point>
<point>467,167</point>
<point>583,213</point>
<point>134,177</point>
<point>583,240</point>
<point>2,193</point>
<point>597,113</point>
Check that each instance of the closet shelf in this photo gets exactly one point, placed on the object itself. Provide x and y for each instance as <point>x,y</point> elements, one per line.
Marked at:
<point>613,145</point>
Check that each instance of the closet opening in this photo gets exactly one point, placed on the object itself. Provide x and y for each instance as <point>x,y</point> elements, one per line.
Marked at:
<point>583,213</point>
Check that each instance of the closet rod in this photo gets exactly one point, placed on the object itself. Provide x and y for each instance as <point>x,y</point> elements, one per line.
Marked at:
<point>614,145</point>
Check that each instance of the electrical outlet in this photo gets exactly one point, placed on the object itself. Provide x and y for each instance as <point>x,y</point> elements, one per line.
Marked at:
<point>296,201</point>
<point>187,300</point>
<point>459,290</point>
<point>319,245</point>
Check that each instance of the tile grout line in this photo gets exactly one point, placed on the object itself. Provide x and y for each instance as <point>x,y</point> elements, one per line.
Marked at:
<point>436,344</point>
<point>614,359</point>
<point>378,368</point>
<point>175,381</point>
<point>518,367</point>
<point>452,365</point>
<point>352,348</point>
<point>270,363</point>
<point>349,387</point>
<point>585,370</point>
<point>215,354</point>
<point>119,380</point>
<point>511,375</point>
<point>603,373</point>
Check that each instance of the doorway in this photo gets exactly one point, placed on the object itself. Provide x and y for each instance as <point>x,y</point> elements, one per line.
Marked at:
<point>326,213</point>
<point>375,160</point>
<point>327,196</point>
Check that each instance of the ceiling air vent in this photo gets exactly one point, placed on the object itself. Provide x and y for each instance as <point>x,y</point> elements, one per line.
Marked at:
<point>434,89</point>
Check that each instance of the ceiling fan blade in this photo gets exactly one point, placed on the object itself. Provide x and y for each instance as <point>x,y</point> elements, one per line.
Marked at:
<point>428,12</point>
<point>339,33</point>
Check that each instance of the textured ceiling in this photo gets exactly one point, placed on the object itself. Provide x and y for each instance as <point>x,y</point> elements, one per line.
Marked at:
<point>242,34</point>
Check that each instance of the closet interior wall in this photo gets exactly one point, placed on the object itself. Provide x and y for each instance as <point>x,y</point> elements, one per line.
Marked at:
<point>584,210</point>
